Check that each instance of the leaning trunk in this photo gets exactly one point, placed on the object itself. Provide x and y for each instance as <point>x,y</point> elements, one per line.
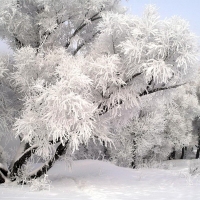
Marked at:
<point>61,150</point>
<point>21,160</point>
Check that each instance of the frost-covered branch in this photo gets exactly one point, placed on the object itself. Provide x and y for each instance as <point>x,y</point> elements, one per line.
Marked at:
<point>160,89</point>
<point>18,43</point>
<point>48,33</point>
<point>132,78</point>
<point>85,42</point>
<point>103,108</point>
<point>81,26</point>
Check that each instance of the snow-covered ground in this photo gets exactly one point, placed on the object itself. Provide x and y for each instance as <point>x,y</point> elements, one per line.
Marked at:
<point>99,180</point>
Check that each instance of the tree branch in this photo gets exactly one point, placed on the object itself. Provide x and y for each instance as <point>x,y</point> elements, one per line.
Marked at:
<point>103,109</point>
<point>160,89</point>
<point>134,76</point>
<point>18,43</point>
<point>21,161</point>
<point>2,177</point>
<point>81,26</point>
<point>61,149</point>
<point>47,34</point>
<point>84,43</point>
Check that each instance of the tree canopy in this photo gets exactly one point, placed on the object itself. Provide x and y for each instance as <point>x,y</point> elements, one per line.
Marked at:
<point>81,69</point>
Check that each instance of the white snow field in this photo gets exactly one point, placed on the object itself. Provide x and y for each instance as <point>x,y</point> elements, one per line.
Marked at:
<point>99,180</point>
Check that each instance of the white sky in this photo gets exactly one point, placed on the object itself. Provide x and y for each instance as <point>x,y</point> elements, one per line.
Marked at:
<point>3,47</point>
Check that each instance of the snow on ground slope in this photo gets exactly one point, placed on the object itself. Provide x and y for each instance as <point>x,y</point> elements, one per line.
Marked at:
<point>98,180</point>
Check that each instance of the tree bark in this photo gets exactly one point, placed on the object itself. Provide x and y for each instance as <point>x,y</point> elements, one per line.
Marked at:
<point>172,155</point>
<point>133,163</point>
<point>183,152</point>
<point>61,150</point>
<point>197,154</point>
<point>2,178</point>
<point>3,175</point>
<point>21,161</point>
<point>198,150</point>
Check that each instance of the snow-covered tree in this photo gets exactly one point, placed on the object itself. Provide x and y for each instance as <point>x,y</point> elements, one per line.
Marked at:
<point>154,134</point>
<point>81,68</point>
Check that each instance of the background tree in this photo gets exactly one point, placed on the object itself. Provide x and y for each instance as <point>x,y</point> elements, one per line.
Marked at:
<point>81,66</point>
<point>154,134</point>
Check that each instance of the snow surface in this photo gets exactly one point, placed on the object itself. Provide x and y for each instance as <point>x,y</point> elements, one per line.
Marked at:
<point>99,180</point>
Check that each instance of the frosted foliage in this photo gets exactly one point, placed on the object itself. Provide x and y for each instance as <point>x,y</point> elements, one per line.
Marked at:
<point>153,135</point>
<point>3,68</point>
<point>6,114</point>
<point>104,69</point>
<point>93,150</point>
<point>82,69</point>
<point>146,136</point>
<point>55,111</point>
<point>26,70</point>
<point>8,103</point>
<point>29,22</point>
<point>162,49</point>
<point>40,184</point>
<point>43,66</point>
<point>122,153</point>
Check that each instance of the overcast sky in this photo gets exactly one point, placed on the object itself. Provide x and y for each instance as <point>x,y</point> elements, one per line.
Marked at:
<point>187,9</point>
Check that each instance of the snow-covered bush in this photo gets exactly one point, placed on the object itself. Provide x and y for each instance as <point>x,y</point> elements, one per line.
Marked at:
<point>42,183</point>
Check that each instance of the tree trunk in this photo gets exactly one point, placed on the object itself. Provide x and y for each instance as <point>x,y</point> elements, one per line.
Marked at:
<point>61,150</point>
<point>183,152</point>
<point>2,178</point>
<point>133,163</point>
<point>197,154</point>
<point>198,150</point>
<point>172,155</point>
<point>3,175</point>
<point>105,151</point>
<point>27,152</point>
